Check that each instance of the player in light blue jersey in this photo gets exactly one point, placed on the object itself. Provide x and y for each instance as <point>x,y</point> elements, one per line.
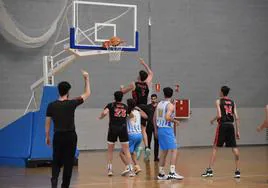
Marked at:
<point>164,123</point>
<point>134,134</point>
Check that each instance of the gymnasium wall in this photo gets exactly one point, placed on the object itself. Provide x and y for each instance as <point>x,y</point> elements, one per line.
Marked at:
<point>200,44</point>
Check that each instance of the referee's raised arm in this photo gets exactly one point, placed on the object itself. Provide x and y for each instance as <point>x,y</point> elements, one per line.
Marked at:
<point>87,90</point>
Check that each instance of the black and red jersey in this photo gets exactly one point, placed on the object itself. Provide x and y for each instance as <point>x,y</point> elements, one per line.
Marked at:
<point>117,114</point>
<point>141,92</point>
<point>227,110</point>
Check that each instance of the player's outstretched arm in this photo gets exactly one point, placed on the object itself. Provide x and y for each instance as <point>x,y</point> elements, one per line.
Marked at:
<point>149,71</point>
<point>87,91</point>
<point>104,113</point>
<point>128,88</point>
<point>213,120</point>
<point>143,114</point>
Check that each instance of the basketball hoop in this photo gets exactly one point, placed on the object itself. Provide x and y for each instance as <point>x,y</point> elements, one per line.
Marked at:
<point>114,53</point>
<point>112,46</point>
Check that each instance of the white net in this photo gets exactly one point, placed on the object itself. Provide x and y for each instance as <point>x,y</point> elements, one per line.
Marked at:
<point>114,53</point>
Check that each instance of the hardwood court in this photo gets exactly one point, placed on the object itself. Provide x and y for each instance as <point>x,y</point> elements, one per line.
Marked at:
<point>91,171</point>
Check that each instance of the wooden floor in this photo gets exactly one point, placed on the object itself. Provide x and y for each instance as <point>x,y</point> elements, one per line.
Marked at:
<point>91,171</point>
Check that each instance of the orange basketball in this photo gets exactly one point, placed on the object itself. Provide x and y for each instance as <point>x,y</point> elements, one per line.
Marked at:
<point>115,41</point>
<point>106,44</point>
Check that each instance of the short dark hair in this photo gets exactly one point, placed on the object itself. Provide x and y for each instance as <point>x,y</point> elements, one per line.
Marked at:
<point>168,92</point>
<point>225,90</point>
<point>143,75</point>
<point>118,96</point>
<point>63,88</point>
<point>131,103</point>
<point>153,95</point>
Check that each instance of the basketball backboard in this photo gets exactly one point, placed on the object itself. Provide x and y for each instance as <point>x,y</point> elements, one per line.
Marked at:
<point>96,22</point>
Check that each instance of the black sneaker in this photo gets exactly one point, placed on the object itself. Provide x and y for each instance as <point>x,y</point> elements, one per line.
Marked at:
<point>237,173</point>
<point>208,173</point>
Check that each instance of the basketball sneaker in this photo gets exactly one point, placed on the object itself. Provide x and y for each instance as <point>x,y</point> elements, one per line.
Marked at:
<point>125,172</point>
<point>174,176</point>
<point>131,173</point>
<point>237,173</point>
<point>110,172</point>
<point>208,173</point>
<point>147,153</point>
<point>162,176</point>
<point>137,169</point>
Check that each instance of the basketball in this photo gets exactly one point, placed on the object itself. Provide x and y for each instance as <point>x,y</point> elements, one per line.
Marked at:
<point>115,41</point>
<point>106,44</point>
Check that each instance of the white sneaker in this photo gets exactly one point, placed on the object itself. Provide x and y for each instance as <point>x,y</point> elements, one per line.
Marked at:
<point>131,173</point>
<point>175,176</point>
<point>125,172</point>
<point>110,172</point>
<point>162,177</point>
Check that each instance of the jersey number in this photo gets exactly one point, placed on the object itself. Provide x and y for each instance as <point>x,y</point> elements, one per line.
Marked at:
<point>228,109</point>
<point>160,113</point>
<point>118,112</point>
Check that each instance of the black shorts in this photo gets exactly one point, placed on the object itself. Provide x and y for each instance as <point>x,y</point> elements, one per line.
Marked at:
<point>114,132</point>
<point>225,134</point>
<point>144,108</point>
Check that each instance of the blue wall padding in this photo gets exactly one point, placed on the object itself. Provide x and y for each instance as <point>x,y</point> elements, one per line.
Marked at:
<point>16,138</point>
<point>39,147</point>
<point>24,139</point>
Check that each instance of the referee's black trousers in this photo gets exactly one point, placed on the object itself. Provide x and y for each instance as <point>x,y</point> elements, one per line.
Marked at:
<point>64,147</point>
<point>150,134</point>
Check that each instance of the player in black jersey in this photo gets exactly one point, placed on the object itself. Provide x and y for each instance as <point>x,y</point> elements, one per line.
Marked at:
<point>265,122</point>
<point>118,112</point>
<point>140,92</point>
<point>226,132</point>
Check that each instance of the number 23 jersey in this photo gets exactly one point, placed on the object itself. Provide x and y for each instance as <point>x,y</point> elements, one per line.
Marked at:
<point>117,114</point>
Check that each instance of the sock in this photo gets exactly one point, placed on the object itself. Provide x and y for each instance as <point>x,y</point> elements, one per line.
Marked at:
<point>109,166</point>
<point>130,167</point>
<point>172,168</point>
<point>161,170</point>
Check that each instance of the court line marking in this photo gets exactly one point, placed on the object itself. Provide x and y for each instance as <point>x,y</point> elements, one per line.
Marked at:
<point>126,181</point>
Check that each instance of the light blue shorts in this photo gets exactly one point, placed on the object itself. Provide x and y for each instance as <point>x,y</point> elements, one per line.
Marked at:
<point>166,138</point>
<point>134,141</point>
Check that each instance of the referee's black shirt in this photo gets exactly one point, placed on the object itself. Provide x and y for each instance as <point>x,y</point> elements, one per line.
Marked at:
<point>62,114</point>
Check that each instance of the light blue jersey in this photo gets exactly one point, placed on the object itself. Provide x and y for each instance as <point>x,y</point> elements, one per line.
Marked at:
<point>161,112</point>
<point>166,136</point>
<point>134,131</point>
<point>134,124</point>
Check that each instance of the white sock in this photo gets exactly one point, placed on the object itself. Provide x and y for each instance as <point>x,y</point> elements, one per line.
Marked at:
<point>110,166</point>
<point>172,168</point>
<point>130,167</point>
<point>161,170</point>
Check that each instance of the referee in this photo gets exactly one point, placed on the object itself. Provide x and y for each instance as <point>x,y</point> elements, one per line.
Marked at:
<point>61,112</point>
